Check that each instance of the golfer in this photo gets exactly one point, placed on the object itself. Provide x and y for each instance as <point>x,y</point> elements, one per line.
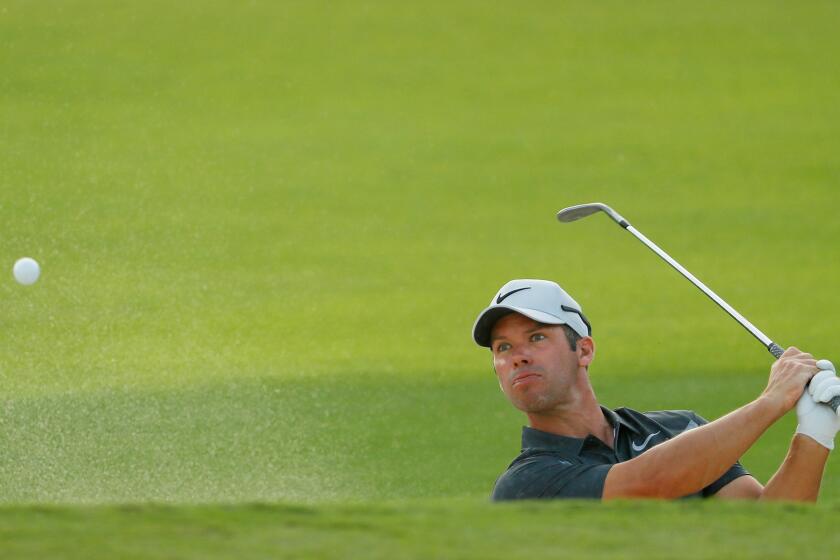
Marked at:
<point>575,448</point>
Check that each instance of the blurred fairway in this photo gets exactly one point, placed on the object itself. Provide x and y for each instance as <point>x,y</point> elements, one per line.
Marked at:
<point>267,227</point>
<point>423,529</point>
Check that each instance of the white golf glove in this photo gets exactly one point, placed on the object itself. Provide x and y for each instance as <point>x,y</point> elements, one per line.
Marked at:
<point>818,421</point>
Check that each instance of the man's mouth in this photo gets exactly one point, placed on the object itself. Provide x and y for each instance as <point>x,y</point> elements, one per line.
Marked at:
<point>524,376</point>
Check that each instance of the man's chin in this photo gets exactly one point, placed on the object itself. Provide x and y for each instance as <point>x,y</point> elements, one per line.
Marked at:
<point>534,405</point>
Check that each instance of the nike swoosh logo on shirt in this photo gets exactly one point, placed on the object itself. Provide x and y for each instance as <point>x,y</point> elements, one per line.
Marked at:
<point>643,444</point>
<point>502,298</point>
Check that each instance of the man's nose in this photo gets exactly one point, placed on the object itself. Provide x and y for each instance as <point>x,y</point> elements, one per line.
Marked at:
<point>521,358</point>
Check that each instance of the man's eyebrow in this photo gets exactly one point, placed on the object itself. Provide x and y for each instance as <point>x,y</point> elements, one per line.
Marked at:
<point>539,327</point>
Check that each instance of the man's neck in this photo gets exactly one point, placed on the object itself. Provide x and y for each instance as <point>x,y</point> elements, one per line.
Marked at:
<point>585,418</point>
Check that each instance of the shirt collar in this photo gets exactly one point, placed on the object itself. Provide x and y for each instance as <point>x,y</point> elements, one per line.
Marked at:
<point>537,440</point>
<point>613,417</point>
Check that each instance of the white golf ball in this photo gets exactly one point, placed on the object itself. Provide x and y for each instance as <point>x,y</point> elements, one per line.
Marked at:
<point>26,271</point>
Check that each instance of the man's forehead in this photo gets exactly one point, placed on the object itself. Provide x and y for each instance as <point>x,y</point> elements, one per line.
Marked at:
<point>516,322</point>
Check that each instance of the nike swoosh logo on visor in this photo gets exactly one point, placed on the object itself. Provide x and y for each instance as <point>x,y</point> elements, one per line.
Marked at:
<point>643,444</point>
<point>502,298</point>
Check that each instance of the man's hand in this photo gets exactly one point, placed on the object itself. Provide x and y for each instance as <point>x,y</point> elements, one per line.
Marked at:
<point>788,377</point>
<point>824,385</point>
<point>818,421</point>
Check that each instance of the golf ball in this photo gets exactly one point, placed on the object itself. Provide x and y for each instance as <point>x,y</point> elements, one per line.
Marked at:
<point>26,271</point>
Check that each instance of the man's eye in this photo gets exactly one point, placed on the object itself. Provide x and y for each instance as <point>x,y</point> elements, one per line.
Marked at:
<point>503,347</point>
<point>537,336</point>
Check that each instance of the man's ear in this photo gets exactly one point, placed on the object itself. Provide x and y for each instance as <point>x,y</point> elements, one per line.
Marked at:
<point>586,351</point>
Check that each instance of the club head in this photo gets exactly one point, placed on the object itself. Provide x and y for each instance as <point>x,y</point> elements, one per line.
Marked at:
<point>579,211</point>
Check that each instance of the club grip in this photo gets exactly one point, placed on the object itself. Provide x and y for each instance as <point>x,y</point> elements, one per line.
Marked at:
<point>777,351</point>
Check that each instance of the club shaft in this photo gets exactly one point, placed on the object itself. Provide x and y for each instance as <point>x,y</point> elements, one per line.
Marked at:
<point>581,211</point>
<point>703,288</point>
<point>774,348</point>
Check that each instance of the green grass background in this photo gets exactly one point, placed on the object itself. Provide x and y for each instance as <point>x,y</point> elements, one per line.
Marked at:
<point>267,227</point>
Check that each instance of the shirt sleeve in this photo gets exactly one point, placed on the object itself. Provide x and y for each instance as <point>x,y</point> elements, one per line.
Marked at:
<point>546,476</point>
<point>735,471</point>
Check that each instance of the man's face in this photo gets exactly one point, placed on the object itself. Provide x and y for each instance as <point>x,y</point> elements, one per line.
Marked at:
<point>536,367</point>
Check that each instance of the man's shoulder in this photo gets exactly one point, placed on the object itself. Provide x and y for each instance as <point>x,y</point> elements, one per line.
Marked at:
<point>667,415</point>
<point>674,421</point>
<point>672,412</point>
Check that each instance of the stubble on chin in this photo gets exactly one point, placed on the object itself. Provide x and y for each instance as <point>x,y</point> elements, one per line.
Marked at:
<point>534,403</point>
<point>545,401</point>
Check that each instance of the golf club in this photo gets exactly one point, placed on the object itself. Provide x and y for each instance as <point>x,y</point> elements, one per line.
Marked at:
<point>574,213</point>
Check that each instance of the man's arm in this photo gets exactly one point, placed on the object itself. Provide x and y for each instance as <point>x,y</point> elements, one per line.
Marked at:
<point>800,475</point>
<point>798,478</point>
<point>698,457</point>
<point>694,459</point>
<point>742,488</point>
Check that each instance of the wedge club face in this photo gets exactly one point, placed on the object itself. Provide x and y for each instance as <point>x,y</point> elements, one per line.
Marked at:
<point>573,213</point>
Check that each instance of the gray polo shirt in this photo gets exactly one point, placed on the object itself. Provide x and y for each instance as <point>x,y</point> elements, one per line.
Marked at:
<point>552,466</point>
